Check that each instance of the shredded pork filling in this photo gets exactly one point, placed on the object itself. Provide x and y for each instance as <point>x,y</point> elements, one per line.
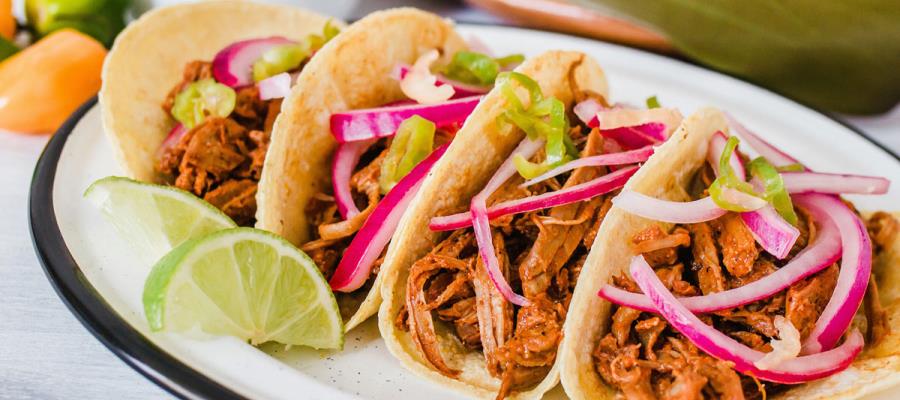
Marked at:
<point>331,234</point>
<point>645,358</point>
<point>221,159</point>
<point>540,254</point>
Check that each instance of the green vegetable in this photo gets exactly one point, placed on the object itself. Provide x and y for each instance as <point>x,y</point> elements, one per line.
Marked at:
<point>528,169</point>
<point>542,119</point>
<point>246,283</point>
<point>795,167</point>
<point>411,144</point>
<point>289,56</point>
<point>7,48</point>
<point>510,60</point>
<point>478,69</point>
<point>728,179</point>
<point>652,102</point>
<point>280,59</point>
<point>100,19</point>
<point>328,32</point>
<point>202,98</point>
<point>775,192</point>
<point>840,55</point>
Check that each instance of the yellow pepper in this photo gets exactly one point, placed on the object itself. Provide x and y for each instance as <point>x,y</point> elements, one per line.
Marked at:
<point>44,83</point>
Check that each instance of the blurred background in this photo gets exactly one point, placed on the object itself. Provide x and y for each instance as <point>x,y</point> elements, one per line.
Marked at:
<point>838,56</point>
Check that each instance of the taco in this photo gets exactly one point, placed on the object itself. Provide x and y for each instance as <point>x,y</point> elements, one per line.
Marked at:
<point>367,118</point>
<point>190,93</point>
<point>717,276</point>
<point>532,170</point>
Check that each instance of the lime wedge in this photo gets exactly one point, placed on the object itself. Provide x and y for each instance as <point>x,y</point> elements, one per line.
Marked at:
<point>246,283</point>
<point>154,218</point>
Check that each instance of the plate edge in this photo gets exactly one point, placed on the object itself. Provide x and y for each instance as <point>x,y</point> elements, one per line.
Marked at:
<point>133,348</point>
<point>82,300</point>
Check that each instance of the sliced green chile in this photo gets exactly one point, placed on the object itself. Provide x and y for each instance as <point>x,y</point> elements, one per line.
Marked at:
<point>280,59</point>
<point>202,98</point>
<point>728,179</point>
<point>411,144</point>
<point>775,191</point>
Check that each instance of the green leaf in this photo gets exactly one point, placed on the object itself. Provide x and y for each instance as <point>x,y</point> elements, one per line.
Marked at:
<point>652,102</point>
<point>841,55</point>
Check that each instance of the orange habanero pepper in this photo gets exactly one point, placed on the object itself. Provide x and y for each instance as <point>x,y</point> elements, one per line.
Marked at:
<point>7,20</point>
<point>44,83</point>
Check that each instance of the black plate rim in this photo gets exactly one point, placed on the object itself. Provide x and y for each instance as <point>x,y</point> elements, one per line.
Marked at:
<point>85,302</point>
<point>114,332</point>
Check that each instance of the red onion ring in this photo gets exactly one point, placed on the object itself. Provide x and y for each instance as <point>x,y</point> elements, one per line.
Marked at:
<point>172,138</point>
<point>637,136</point>
<point>372,123</point>
<point>771,231</point>
<point>675,212</point>
<point>368,244</point>
<point>610,146</point>
<point>587,111</point>
<point>460,89</point>
<point>817,182</point>
<point>482,227</point>
<point>625,157</point>
<point>569,195</point>
<point>233,65</point>
<point>345,159</point>
<point>857,254</point>
<point>716,147</point>
<point>775,156</point>
<point>853,278</point>
<point>275,87</point>
<point>775,235</point>
<point>823,252</point>
<point>622,117</point>
<point>717,344</point>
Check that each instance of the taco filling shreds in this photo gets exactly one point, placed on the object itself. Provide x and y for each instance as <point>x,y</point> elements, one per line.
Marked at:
<point>745,293</point>
<point>382,156</point>
<point>534,224</point>
<point>223,111</point>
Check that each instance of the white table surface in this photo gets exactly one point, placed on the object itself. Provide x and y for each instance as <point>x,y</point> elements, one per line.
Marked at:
<point>45,353</point>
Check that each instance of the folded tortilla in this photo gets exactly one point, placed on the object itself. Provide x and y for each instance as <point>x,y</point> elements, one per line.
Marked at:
<point>667,175</point>
<point>148,58</point>
<point>472,158</point>
<point>352,71</point>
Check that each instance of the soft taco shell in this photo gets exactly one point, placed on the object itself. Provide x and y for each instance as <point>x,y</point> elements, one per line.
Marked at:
<point>477,151</point>
<point>148,57</point>
<point>353,71</point>
<point>666,175</point>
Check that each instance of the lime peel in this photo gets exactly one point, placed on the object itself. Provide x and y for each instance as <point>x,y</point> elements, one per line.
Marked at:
<point>185,291</point>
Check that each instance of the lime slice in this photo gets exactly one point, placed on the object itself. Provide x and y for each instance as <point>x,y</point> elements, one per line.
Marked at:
<point>154,218</point>
<point>246,283</point>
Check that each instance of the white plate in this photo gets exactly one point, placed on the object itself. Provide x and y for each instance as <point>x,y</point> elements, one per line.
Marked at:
<point>365,369</point>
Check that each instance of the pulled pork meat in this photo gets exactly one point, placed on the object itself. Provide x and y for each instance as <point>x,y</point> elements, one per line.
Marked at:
<point>883,229</point>
<point>221,159</point>
<point>331,234</point>
<point>540,253</point>
<point>644,358</point>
